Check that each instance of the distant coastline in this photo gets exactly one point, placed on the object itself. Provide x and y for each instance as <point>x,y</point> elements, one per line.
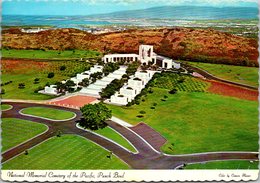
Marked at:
<point>184,16</point>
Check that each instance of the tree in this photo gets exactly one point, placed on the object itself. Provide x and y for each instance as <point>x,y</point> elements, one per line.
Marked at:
<point>62,68</point>
<point>110,67</point>
<point>111,88</point>
<point>61,88</point>
<point>132,68</point>
<point>85,82</point>
<point>94,116</point>
<point>51,75</point>
<point>21,85</point>
<point>69,85</point>
<point>96,75</point>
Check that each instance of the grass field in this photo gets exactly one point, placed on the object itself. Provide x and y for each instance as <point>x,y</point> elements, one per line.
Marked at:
<point>197,122</point>
<point>49,113</point>
<point>49,54</point>
<point>214,122</point>
<point>111,134</point>
<point>240,74</point>
<point>67,152</point>
<point>225,165</point>
<point>26,72</point>
<point>16,131</point>
<point>5,107</point>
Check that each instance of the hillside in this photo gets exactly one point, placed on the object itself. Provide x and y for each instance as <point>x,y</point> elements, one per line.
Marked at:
<point>178,43</point>
<point>184,13</point>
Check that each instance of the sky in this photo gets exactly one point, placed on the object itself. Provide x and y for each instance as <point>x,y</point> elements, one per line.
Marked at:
<point>89,7</point>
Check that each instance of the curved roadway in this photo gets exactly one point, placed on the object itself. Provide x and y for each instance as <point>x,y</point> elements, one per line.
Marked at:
<point>146,158</point>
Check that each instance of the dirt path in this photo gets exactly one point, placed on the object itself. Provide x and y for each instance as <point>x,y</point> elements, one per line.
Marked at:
<point>146,158</point>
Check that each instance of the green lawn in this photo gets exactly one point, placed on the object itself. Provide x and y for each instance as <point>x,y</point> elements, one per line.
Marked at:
<point>67,152</point>
<point>27,93</point>
<point>240,74</point>
<point>111,134</point>
<point>49,54</point>
<point>197,121</point>
<point>5,107</point>
<point>16,131</point>
<point>49,113</point>
<point>27,71</point>
<point>225,165</point>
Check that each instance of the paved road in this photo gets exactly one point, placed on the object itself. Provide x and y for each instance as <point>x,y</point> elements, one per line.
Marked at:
<point>146,157</point>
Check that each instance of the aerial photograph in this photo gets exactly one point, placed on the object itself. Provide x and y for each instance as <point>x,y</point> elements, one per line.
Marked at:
<point>129,85</point>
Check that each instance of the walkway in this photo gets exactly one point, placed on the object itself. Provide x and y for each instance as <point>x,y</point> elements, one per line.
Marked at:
<point>148,156</point>
<point>150,135</point>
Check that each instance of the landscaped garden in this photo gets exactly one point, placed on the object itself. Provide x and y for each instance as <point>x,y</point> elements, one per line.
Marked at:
<point>5,107</point>
<point>240,74</point>
<point>27,77</point>
<point>49,113</point>
<point>50,54</point>
<point>68,152</point>
<point>111,134</point>
<point>16,131</point>
<point>225,165</point>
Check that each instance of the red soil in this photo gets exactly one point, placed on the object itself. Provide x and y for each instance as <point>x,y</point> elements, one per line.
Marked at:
<point>233,91</point>
<point>21,67</point>
<point>74,101</point>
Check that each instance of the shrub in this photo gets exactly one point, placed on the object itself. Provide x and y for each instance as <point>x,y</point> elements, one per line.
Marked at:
<point>140,116</point>
<point>6,83</point>
<point>173,91</point>
<point>165,96</point>
<point>26,152</point>
<point>142,112</point>
<point>154,104</point>
<point>150,90</point>
<point>50,75</point>
<point>62,68</point>
<point>152,107</point>
<point>36,80</point>
<point>128,104</point>
<point>21,85</point>
<point>163,100</point>
<point>2,91</point>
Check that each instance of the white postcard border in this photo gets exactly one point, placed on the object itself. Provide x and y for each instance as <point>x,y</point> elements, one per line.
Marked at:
<point>128,175</point>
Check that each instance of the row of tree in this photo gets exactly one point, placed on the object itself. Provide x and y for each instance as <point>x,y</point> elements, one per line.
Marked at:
<point>111,88</point>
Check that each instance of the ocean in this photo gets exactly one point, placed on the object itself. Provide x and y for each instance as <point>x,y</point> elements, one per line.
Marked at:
<point>157,16</point>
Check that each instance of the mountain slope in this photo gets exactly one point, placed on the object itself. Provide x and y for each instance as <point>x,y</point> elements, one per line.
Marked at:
<point>178,43</point>
<point>185,12</point>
